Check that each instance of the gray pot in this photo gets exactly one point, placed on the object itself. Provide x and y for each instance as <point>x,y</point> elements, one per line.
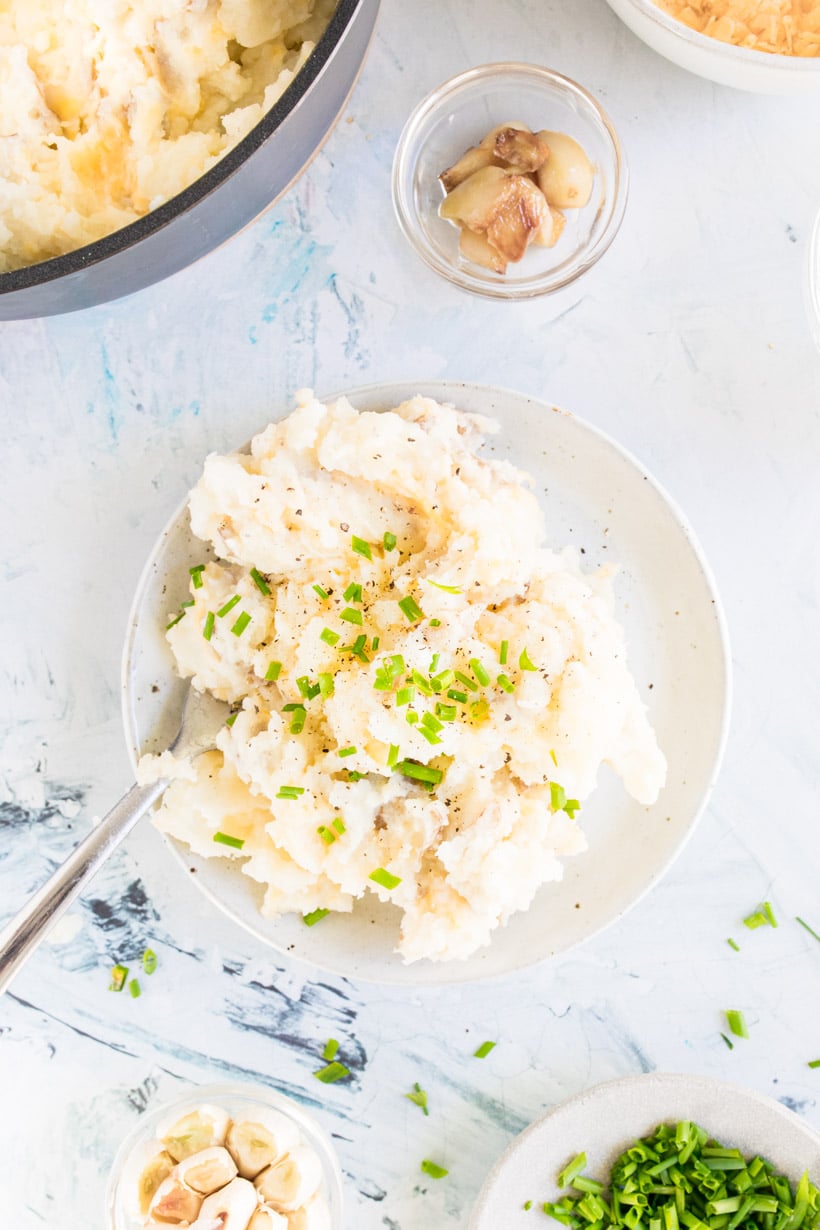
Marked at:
<point>218,204</point>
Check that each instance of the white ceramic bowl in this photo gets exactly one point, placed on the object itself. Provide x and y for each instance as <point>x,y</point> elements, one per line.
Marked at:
<point>236,1099</point>
<point>605,1120</point>
<point>599,498</point>
<point>740,67</point>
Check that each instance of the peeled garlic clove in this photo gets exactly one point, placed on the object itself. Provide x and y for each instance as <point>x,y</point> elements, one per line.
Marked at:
<point>292,1181</point>
<point>476,201</point>
<point>519,150</point>
<point>207,1170</point>
<point>229,1209</point>
<point>473,160</point>
<point>268,1219</point>
<point>259,1138</point>
<point>550,230</point>
<point>199,1129</point>
<point>314,1216</point>
<point>490,139</point>
<point>147,1166</point>
<point>519,216</point>
<point>566,177</point>
<point>478,249</point>
<point>173,1202</point>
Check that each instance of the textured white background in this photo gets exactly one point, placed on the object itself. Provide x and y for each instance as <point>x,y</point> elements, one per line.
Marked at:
<point>689,344</point>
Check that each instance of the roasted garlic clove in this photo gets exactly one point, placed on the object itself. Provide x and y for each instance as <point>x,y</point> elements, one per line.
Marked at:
<point>314,1216</point>
<point>200,1129</point>
<point>478,249</point>
<point>475,202</point>
<point>566,177</point>
<point>266,1218</point>
<point>229,1209</point>
<point>292,1181</point>
<point>153,1166</point>
<point>551,229</point>
<point>475,159</point>
<point>519,215</point>
<point>259,1139</point>
<point>520,150</point>
<point>174,1203</point>
<point>489,141</point>
<point>207,1170</point>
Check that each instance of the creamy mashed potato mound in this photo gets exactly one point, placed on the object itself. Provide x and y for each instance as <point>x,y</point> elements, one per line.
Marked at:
<point>440,710</point>
<point>780,27</point>
<point>108,108</point>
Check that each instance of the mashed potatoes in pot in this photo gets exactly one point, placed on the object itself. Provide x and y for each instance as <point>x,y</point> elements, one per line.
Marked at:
<point>108,108</point>
<point>423,691</point>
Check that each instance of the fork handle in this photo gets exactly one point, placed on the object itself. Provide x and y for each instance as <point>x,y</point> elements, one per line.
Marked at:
<point>20,936</point>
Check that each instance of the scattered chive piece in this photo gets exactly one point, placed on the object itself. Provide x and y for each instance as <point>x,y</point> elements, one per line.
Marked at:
<point>273,672</point>
<point>436,658</point>
<point>447,713</point>
<point>753,921</point>
<point>806,927</point>
<point>339,825</point>
<point>353,593</point>
<point>385,878</point>
<point>353,776</point>
<point>571,807</point>
<point>361,547</point>
<point>304,685</point>
<point>769,912</point>
<point>505,683</point>
<point>357,648</point>
<point>326,685</point>
<point>728,1042</point>
<point>260,582</point>
<point>298,723</point>
<point>241,623</point>
<point>174,621</point>
<point>314,916</point>
<point>470,684</point>
<point>454,694</point>
<point>431,722</point>
<point>405,695</point>
<point>480,672</point>
<point>814,1063</point>
<point>326,835</point>
<point>430,735</point>
<point>331,1049</point>
<point>346,751</point>
<point>352,616</point>
<point>502,653</point>
<point>435,623</point>
<point>323,594</point>
<point>434,1170</point>
<point>289,792</point>
<point>333,1072</point>
<point>412,717</point>
<point>393,755</point>
<point>442,680</point>
<point>292,706</point>
<point>329,637</point>
<point>732,944</point>
<point>479,709</point>
<point>224,839</point>
<point>422,684</point>
<point>553,757</point>
<point>419,1098</point>
<point>484,1050</point>
<point>737,1023</point>
<point>208,629</point>
<point>525,663</point>
<point>196,575</point>
<point>420,772</point>
<point>389,541</point>
<point>447,589</point>
<point>527,1205</point>
<point>571,1170</point>
<point>411,609</point>
<point>229,606</point>
<point>230,720</point>
<point>558,797</point>
<point>135,988</point>
<point>119,977</point>
<point>375,643</point>
<point>149,961</point>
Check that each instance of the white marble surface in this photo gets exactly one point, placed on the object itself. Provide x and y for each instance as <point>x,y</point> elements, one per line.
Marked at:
<point>688,343</point>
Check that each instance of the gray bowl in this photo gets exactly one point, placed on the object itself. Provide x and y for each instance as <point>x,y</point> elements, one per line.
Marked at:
<point>218,204</point>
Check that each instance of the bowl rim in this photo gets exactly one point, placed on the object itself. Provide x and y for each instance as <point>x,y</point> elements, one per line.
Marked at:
<point>78,259</point>
<point>769,61</point>
<point>536,285</point>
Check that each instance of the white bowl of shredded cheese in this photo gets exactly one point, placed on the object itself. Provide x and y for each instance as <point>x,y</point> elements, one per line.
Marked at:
<point>424,692</point>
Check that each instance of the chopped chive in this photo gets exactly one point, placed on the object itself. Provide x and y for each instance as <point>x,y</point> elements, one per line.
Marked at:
<point>525,663</point>
<point>435,623</point>
<point>297,724</point>
<point>333,1072</point>
<point>769,913</point>
<point>553,757</point>
<point>442,681</point>
<point>329,637</point>
<point>385,878</point>
<point>314,916</point>
<point>326,685</point>
<point>737,1023</point>
<point>326,835</point>
<point>412,717</point>
<point>229,606</point>
<point>339,825</point>
<point>374,643</point>
<point>434,1170</point>
<point>484,1050</point>
<point>814,1063</point>
<point>422,684</point>
<point>393,755</point>
<point>224,839</point>
<point>480,672</point>
<point>119,977</point>
<point>134,988</point>
<point>447,713</point>
<point>571,807</point>
<point>571,1170</point>
<point>753,921</point>
<point>558,797</point>
<point>806,927</point>
<point>196,575</point>
<point>178,617</point>
<point>430,735</point>
<point>447,589</point>
<point>505,683</point>
<point>353,593</point>
<point>292,706</point>
<point>470,684</point>
<point>304,685</point>
<point>411,609</point>
<point>389,541</point>
<point>405,695</point>
<point>208,628</point>
<point>323,594</point>
<point>241,624</point>
<point>420,772</point>
<point>502,653</point>
<point>728,1042</point>
<point>434,661</point>
<point>289,792</point>
<point>361,547</point>
<point>149,961</point>
<point>229,721</point>
<point>527,1205</point>
<point>352,616</point>
<point>394,665</point>
<point>431,722</point>
<point>479,709</point>
<point>454,694</point>
<point>346,751</point>
<point>331,1049</point>
<point>273,672</point>
<point>419,1098</point>
<point>357,648</point>
<point>732,944</point>
<point>353,776</point>
<point>260,582</point>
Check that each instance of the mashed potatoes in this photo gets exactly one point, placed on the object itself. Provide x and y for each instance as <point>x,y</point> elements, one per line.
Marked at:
<point>424,692</point>
<point>781,27</point>
<point>110,107</point>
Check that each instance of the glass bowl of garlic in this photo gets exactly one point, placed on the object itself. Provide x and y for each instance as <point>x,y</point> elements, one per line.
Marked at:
<point>226,1157</point>
<point>509,180</point>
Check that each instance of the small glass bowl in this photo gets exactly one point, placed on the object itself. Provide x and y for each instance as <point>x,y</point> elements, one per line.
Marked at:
<point>459,114</point>
<point>121,1203</point>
